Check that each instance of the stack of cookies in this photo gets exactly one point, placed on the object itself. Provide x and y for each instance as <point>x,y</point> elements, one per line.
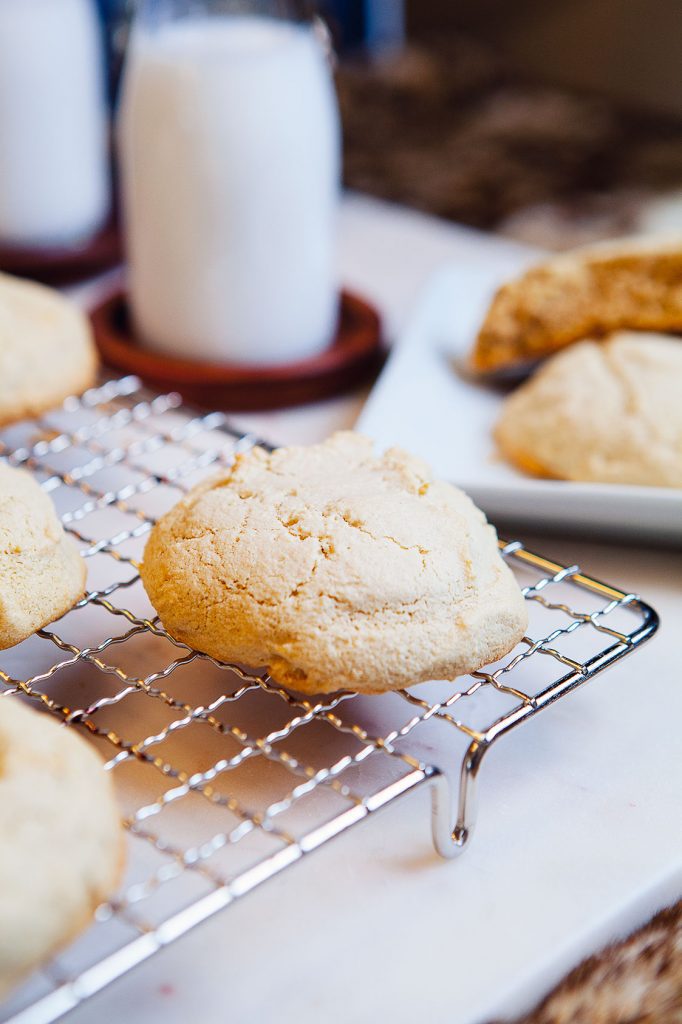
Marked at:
<point>606,406</point>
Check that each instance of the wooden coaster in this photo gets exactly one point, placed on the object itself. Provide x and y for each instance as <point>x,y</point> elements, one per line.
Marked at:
<point>65,264</point>
<point>355,355</point>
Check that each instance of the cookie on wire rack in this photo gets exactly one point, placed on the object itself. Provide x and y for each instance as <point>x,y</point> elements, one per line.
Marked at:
<point>46,349</point>
<point>335,568</point>
<point>61,840</point>
<point>42,574</point>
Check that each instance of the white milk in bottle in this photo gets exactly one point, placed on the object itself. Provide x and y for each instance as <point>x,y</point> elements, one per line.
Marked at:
<point>54,166</point>
<point>229,144</point>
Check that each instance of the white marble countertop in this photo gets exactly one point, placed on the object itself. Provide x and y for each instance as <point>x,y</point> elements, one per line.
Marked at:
<point>579,836</point>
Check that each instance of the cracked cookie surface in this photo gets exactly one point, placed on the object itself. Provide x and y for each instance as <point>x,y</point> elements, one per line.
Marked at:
<point>607,411</point>
<point>336,569</point>
<point>41,572</point>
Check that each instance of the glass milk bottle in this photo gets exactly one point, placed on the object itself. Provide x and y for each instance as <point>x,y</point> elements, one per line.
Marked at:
<point>229,148</point>
<point>54,164</point>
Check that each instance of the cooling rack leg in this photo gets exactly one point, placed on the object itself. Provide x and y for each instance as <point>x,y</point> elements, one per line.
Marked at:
<point>449,841</point>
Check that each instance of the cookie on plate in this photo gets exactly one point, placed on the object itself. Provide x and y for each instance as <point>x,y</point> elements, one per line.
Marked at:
<point>61,841</point>
<point>630,284</point>
<point>608,412</point>
<point>41,572</point>
<point>46,349</point>
<point>335,568</point>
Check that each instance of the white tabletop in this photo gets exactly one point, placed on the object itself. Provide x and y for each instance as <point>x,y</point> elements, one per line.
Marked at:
<point>375,925</point>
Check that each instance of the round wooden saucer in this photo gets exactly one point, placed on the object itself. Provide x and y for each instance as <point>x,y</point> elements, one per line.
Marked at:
<point>355,354</point>
<point>68,263</point>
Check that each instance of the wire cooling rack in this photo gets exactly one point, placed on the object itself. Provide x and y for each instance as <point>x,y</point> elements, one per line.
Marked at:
<point>225,778</point>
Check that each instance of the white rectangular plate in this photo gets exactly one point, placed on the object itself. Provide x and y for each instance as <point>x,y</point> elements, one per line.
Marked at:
<point>422,403</point>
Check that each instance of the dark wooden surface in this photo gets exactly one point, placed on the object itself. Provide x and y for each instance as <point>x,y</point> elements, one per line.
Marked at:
<point>61,265</point>
<point>356,355</point>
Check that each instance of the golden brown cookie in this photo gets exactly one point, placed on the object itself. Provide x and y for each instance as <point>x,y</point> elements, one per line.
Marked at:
<point>608,412</point>
<point>46,349</point>
<point>61,841</point>
<point>336,568</point>
<point>41,572</point>
<point>631,284</point>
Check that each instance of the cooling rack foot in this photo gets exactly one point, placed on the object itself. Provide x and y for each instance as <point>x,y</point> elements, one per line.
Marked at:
<point>451,840</point>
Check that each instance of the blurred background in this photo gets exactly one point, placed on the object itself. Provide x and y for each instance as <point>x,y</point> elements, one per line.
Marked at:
<point>554,123</point>
<point>551,122</point>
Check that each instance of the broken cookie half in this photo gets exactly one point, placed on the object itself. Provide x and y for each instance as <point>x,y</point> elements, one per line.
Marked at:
<point>629,284</point>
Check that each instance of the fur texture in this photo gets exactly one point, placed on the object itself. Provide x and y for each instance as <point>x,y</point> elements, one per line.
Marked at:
<point>637,981</point>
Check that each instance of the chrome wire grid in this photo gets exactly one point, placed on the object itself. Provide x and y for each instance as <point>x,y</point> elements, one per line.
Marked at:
<point>225,778</point>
